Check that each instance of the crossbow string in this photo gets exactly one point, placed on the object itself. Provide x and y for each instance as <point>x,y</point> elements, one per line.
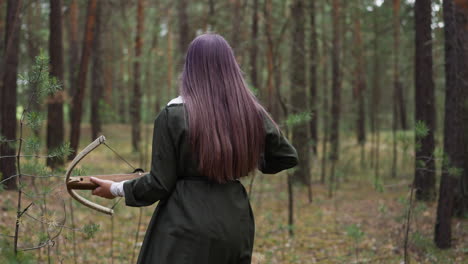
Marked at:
<point>96,143</point>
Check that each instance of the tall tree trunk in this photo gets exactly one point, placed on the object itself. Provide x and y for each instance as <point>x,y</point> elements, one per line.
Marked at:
<point>375,105</point>
<point>109,71</point>
<point>77,100</point>
<point>151,87</point>
<point>2,27</point>
<point>8,76</point>
<point>290,204</point>
<point>135,107</point>
<point>169,54</point>
<point>424,178</point>
<point>267,9</point>
<point>97,82</point>
<point>325,83</point>
<point>74,53</point>
<point>313,59</point>
<point>274,57</point>
<point>461,17</point>
<point>400,98</point>
<point>123,98</point>
<point>276,90</point>
<point>396,81</point>
<point>360,81</point>
<point>184,31</point>
<point>211,15</point>
<point>122,106</point>
<point>236,24</point>
<point>154,50</point>
<point>455,137</point>
<point>253,46</point>
<point>399,108</point>
<point>298,91</point>
<point>55,126</point>
<point>313,77</point>
<point>336,92</point>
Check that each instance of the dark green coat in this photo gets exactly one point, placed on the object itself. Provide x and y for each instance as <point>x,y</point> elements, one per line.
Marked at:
<point>197,221</point>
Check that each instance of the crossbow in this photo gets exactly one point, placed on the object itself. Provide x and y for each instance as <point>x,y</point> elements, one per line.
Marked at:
<point>83,182</point>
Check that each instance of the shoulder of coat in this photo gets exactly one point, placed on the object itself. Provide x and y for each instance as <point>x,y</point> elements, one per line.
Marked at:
<point>177,100</point>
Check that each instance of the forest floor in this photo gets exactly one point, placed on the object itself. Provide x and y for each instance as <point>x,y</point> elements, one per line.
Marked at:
<point>359,224</point>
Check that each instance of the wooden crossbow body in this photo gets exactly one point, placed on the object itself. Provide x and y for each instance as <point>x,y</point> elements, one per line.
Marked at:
<point>83,182</point>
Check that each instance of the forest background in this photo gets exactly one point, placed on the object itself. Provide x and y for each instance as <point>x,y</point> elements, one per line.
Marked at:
<point>373,94</point>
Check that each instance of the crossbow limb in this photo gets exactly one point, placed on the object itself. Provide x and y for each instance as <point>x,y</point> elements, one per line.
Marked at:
<point>83,183</point>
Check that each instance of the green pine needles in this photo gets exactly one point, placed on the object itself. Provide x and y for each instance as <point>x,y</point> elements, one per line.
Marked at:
<point>35,181</point>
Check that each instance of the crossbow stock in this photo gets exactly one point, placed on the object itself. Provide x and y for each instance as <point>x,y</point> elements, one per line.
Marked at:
<point>83,182</point>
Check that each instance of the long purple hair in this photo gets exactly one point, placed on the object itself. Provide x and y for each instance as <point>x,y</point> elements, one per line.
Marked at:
<point>225,120</point>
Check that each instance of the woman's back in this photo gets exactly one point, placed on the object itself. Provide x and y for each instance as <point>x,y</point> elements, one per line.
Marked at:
<point>198,220</point>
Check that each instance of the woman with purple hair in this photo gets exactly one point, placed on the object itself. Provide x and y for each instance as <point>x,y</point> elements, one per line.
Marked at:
<point>214,133</point>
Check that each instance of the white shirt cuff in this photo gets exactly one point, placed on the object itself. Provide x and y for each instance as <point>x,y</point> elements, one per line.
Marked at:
<point>117,189</point>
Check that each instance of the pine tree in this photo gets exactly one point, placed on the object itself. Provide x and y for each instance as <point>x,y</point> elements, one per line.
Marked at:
<point>55,123</point>
<point>298,91</point>
<point>424,179</point>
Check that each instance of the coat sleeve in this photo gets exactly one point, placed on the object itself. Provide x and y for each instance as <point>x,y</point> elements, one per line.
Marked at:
<point>162,178</point>
<point>279,154</point>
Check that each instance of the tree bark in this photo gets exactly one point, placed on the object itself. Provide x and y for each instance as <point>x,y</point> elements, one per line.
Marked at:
<point>122,106</point>
<point>211,15</point>
<point>274,62</point>
<point>184,30</point>
<point>169,55</point>
<point>77,100</point>
<point>74,53</point>
<point>236,24</point>
<point>55,126</point>
<point>336,92</point>
<point>400,97</point>
<point>109,70</point>
<point>326,108</point>
<point>399,107</point>
<point>375,105</point>
<point>313,77</point>
<point>298,91</point>
<point>8,77</point>
<point>424,180</point>
<point>455,138</point>
<point>97,82</point>
<point>359,81</point>
<point>253,46</point>
<point>135,107</point>
<point>396,82</point>
<point>290,205</point>
<point>2,26</point>
<point>336,81</point>
<point>270,59</point>
<point>461,18</point>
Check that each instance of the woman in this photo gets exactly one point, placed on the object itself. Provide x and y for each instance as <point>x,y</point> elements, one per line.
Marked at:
<point>204,141</point>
